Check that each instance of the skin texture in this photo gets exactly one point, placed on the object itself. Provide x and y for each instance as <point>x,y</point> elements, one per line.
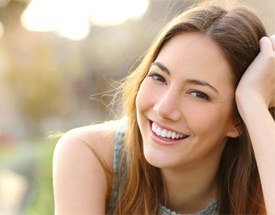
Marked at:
<point>199,111</point>
<point>80,183</point>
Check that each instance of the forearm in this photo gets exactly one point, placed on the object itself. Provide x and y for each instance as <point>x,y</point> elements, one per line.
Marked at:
<point>261,128</point>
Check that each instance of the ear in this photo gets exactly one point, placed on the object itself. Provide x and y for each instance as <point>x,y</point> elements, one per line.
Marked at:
<point>233,130</point>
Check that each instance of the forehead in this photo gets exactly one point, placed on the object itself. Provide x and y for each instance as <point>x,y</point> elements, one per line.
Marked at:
<point>196,56</point>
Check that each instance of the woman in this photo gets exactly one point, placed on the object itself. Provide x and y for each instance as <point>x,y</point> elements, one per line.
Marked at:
<point>198,134</point>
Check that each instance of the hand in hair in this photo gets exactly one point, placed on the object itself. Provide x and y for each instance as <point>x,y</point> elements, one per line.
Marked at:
<point>255,93</point>
<point>258,83</point>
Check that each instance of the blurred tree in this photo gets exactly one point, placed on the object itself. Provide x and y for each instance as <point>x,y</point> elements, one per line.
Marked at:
<point>52,78</point>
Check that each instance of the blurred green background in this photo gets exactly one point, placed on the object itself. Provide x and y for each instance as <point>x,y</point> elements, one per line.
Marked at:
<point>56,59</point>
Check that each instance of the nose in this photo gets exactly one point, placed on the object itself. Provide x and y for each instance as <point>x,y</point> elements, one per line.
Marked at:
<point>168,106</point>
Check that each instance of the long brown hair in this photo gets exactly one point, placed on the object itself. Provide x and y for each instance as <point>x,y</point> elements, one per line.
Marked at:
<point>237,32</point>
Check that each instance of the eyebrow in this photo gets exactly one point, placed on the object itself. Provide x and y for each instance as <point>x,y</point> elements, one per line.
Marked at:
<point>201,83</point>
<point>162,67</point>
<point>190,81</point>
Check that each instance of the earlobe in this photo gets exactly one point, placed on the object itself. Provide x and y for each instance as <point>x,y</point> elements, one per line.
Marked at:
<point>234,130</point>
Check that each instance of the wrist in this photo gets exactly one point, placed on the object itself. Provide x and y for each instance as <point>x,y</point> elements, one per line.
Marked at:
<point>250,104</point>
<point>250,99</point>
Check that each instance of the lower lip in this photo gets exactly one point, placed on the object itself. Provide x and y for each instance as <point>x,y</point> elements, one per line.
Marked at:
<point>162,141</point>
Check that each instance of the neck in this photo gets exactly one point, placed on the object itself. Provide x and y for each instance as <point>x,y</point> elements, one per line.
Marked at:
<point>190,190</point>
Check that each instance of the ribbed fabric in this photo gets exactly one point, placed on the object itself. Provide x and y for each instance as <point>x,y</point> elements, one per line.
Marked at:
<point>116,157</point>
<point>210,209</point>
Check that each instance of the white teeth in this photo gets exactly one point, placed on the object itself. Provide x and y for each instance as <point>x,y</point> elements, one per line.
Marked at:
<point>158,131</point>
<point>163,133</point>
<point>166,134</point>
<point>173,135</point>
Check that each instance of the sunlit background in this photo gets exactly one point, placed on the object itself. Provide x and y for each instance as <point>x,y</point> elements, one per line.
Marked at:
<point>56,59</point>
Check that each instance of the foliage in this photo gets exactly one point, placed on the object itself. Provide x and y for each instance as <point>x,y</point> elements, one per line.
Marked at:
<point>42,202</point>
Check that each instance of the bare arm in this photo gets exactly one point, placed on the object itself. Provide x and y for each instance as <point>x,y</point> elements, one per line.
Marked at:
<point>255,93</point>
<point>79,180</point>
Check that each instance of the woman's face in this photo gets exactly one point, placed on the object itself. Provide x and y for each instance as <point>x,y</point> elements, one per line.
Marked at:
<point>184,105</point>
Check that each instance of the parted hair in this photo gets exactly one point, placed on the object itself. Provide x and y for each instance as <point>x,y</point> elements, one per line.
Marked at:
<point>237,31</point>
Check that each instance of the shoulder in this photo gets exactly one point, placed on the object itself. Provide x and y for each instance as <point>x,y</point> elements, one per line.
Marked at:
<point>80,181</point>
<point>97,138</point>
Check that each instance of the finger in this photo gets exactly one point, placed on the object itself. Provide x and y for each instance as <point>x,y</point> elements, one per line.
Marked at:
<point>266,44</point>
<point>273,41</point>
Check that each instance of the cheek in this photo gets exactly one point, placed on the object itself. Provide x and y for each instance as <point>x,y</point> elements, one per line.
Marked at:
<point>207,119</point>
<point>145,96</point>
<point>139,101</point>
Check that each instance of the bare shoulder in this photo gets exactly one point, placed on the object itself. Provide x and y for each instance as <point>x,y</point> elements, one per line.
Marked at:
<point>97,137</point>
<point>79,179</point>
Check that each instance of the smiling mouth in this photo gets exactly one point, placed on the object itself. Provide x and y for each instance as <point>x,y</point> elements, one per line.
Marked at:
<point>167,134</point>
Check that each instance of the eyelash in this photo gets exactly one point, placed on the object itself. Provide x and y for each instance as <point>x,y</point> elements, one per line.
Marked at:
<point>201,95</point>
<point>157,77</point>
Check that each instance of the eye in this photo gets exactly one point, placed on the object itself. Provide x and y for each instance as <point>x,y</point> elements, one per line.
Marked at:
<point>157,77</point>
<point>199,94</point>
